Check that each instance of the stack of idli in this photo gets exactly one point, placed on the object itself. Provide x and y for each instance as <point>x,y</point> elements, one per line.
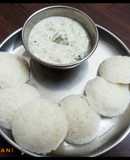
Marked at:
<point>109,94</point>
<point>37,125</point>
<point>106,95</point>
<point>14,73</point>
<point>41,126</point>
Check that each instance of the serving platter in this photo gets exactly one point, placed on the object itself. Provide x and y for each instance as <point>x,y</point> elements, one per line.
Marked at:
<point>56,84</point>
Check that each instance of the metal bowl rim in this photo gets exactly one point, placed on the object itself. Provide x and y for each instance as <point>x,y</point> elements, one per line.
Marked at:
<point>60,65</point>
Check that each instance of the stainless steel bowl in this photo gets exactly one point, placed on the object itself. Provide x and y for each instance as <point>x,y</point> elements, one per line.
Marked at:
<point>65,11</point>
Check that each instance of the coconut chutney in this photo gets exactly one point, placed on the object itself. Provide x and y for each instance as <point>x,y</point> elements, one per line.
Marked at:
<point>58,40</point>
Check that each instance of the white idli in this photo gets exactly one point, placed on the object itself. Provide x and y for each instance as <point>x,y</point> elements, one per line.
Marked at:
<point>11,99</point>
<point>116,69</point>
<point>13,70</point>
<point>41,128</point>
<point>107,98</point>
<point>83,121</point>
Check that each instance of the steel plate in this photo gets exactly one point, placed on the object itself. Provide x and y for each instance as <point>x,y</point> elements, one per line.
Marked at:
<point>56,84</point>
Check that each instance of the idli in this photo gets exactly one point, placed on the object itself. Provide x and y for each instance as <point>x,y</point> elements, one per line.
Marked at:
<point>107,98</point>
<point>11,99</point>
<point>14,70</point>
<point>83,121</point>
<point>41,126</point>
<point>116,69</point>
